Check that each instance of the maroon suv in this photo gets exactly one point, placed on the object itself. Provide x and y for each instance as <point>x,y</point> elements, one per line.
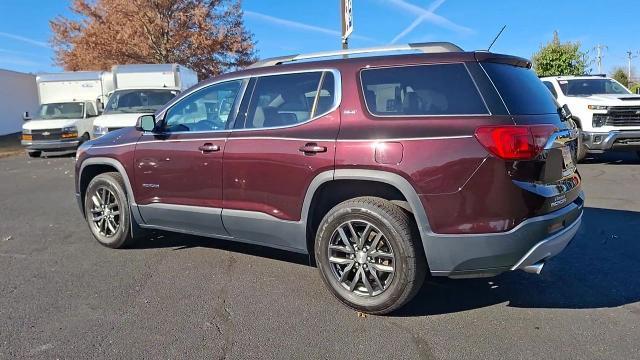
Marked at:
<point>383,168</point>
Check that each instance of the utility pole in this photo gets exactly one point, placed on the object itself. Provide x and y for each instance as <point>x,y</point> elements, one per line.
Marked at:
<point>600,50</point>
<point>346,11</point>
<point>630,56</point>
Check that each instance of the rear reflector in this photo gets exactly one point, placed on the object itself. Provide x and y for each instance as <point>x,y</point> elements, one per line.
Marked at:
<point>515,142</point>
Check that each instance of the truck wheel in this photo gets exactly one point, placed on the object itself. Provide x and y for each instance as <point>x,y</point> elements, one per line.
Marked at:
<point>107,210</point>
<point>34,154</point>
<point>581,151</point>
<point>368,254</point>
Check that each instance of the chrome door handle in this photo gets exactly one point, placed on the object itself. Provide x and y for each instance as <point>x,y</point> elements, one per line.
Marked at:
<point>207,148</point>
<point>312,148</point>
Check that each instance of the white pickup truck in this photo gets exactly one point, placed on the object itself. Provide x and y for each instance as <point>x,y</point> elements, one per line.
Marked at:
<point>69,102</point>
<point>606,112</point>
<point>141,89</point>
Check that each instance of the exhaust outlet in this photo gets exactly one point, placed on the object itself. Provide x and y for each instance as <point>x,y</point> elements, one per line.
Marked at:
<point>535,268</point>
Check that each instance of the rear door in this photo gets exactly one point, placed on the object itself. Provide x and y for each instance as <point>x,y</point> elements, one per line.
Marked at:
<point>178,171</point>
<point>283,139</point>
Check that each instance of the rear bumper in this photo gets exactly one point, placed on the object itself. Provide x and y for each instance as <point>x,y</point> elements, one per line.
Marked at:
<point>549,247</point>
<point>596,142</point>
<point>56,145</point>
<point>482,255</point>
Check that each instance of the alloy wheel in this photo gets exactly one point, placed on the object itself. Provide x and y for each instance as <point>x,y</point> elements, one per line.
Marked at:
<point>361,258</point>
<point>105,212</point>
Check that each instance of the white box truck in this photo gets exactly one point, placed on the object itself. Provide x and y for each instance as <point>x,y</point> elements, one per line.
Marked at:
<point>141,89</point>
<point>18,94</point>
<point>69,102</point>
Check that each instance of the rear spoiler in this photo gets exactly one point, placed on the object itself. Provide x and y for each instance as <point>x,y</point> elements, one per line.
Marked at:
<point>483,56</point>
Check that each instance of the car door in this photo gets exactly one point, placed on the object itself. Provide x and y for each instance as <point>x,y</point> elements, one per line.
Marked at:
<point>284,137</point>
<point>178,170</point>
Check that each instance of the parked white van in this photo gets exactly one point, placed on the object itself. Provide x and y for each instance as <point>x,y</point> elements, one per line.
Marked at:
<point>141,89</point>
<point>69,102</point>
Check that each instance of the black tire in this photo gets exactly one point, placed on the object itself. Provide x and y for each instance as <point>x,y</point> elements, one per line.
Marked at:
<point>34,154</point>
<point>85,137</point>
<point>114,237</point>
<point>399,229</point>
<point>581,151</point>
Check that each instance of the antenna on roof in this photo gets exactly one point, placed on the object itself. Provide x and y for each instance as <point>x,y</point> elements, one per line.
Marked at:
<point>496,38</point>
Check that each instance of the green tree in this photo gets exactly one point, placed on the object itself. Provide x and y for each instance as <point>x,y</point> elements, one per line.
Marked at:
<point>557,58</point>
<point>621,76</point>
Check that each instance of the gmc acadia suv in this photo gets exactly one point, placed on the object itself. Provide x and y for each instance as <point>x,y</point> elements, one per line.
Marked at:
<point>384,169</point>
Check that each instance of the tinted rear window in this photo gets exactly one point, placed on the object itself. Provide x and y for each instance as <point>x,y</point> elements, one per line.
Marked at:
<point>422,90</point>
<point>521,90</point>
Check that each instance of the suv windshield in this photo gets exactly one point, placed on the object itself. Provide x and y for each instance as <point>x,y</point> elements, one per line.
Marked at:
<point>71,110</point>
<point>135,101</point>
<point>586,87</point>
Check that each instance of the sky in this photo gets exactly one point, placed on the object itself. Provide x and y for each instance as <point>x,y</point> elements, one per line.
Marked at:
<point>283,27</point>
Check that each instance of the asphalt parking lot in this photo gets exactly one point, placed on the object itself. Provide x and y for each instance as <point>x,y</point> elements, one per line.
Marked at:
<point>62,295</point>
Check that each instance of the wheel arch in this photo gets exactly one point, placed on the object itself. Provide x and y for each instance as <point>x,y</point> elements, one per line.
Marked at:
<point>93,167</point>
<point>384,184</point>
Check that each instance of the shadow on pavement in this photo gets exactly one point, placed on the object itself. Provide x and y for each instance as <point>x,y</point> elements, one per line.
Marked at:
<point>180,242</point>
<point>599,269</point>
<point>613,158</point>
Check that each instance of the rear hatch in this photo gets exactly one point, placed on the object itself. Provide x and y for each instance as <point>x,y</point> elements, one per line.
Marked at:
<point>541,155</point>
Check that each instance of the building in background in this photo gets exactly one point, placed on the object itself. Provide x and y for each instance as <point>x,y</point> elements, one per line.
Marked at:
<point>18,93</point>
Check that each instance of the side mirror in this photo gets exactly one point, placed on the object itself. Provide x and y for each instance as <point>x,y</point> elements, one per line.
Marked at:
<point>146,123</point>
<point>565,112</point>
<point>26,116</point>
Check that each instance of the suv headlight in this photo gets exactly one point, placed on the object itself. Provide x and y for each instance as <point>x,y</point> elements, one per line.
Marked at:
<point>26,131</point>
<point>597,107</point>
<point>69,132</point>
<point>99,130</point>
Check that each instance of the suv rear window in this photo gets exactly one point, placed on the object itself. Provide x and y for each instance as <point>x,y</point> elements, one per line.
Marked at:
<point>521,90</point>
<point>422,90</point>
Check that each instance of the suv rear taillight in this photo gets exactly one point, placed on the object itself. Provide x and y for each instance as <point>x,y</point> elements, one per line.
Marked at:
<point>515,142</point>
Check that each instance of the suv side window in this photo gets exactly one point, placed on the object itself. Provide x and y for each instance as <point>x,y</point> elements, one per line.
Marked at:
<point>422,90</point>
<point>289,99</point>
<point>208,109</point>
<point>549,86</point>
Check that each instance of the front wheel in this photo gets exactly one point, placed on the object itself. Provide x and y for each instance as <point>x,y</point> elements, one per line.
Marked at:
<point>369,256</point>
<point>581,151</point>
<point>107,210</point>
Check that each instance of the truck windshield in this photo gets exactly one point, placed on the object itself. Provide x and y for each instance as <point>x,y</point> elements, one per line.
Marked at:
<point>587,87</point>
<point>137,101</point>
<point>72,110</point>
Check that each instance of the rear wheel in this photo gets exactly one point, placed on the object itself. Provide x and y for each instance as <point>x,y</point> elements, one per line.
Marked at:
<point>34,154</point>
<point>367,253</point>
<point>107,210</point>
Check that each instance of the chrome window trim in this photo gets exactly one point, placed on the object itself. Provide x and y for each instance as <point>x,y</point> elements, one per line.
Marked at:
<point>337,99</point>
<point>366,105</point>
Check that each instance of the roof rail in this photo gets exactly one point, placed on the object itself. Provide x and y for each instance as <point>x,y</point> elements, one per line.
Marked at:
<point>427,47</point>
